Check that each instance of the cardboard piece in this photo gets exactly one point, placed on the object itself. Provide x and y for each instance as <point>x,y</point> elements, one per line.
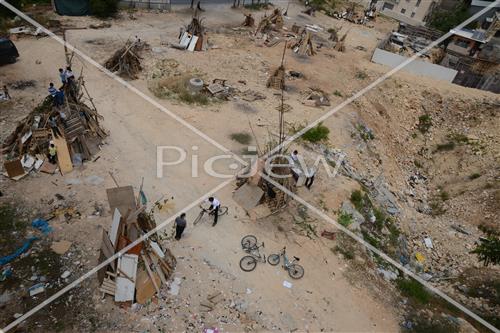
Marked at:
<point>14,168</point>
<point>63,156</point>
<point>48,167</point>
<point>125,288</point>
<point>61,247</point>
<point>122,198</point>
<point>248,196</point>
<point>144,286</point>
<point>115,226</point>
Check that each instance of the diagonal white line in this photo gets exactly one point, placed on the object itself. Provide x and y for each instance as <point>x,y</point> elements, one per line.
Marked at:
<point>379,80</point>
<point>110,259</point>
<point>381,254</point>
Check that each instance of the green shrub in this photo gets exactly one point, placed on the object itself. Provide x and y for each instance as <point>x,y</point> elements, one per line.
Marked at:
<point>475,175</point>
<point>316,134</point>
<point>414,290</point>
<point>243,137</point>
<point>424,123</point>
<point>446,146</point>
<point>357,199</point>
<point>345,219</point>
<point>104,8</point>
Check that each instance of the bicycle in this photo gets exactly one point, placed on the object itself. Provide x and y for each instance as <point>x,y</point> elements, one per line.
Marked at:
<point>250,246</point>
<point>294,270</point>
<point>223,210</point>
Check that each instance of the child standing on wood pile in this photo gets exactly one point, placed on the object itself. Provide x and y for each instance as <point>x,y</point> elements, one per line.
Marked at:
<point>70,82</point>
<point>52,153</point>
<point>180,225</point>
<point>57,95</point>
<point>53,126</point>
<point>6,92</point>
<point>62,76</point>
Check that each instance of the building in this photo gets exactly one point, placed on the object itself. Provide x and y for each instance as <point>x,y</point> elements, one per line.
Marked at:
<point>478,5</point>
<point>413,12</point>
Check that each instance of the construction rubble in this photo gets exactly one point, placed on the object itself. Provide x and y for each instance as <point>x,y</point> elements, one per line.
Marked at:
<point>192,37</point>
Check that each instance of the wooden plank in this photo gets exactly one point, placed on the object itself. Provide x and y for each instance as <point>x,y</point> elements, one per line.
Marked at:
<point>115,225</point>
<point>125,289</point>
<point>122,198</point>
<point>14,168</point>
<point>248,196</point>
<point>157,268</point>
<point>150,273</point>
<point>63,156</point>
<point>108,249</point>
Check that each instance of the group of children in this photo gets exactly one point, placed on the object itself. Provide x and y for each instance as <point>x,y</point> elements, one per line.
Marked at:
<point>68,82</point>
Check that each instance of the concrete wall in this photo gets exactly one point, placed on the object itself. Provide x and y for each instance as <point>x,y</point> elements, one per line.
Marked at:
<point>148,4</point>
<point>404,9</point>
<point>417,67</point>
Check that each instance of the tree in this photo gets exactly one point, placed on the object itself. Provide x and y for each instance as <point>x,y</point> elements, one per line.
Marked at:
<point>445,20</point>
<point>489,250</point>
<point>104,8</point>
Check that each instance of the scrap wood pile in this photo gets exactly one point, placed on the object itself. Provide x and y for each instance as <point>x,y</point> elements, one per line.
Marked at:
<point>304,45</point>
<point>277,79</point>
<point>249,20</point>
<point>81,137</point>
<point>315,97</point>
<point>273,22</point>
<point>192,38</point>
<point>126,61</point>
<point>139,273</point>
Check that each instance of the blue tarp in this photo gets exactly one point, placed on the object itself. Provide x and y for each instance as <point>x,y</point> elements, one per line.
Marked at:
<point>41,225</point>
<point>18,252</point>
<point>72,7</point>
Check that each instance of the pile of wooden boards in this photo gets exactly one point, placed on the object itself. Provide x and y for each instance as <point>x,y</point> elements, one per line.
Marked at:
<point>273,22</point>
<point>126,61</point>
<point>277,79</point>
<point>304,45</point>
<point>27,146</point>
<point>139,273</point>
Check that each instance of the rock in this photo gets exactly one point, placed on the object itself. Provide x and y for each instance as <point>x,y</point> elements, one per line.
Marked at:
<point>65,274</point>
<point>464,326</point>
<point>387,275</point>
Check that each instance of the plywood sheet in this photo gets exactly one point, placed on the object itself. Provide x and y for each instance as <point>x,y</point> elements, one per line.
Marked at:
<point>14,168</point>
<point>107,248</point>
<point>122,198</point>
<point>144,286</point>
<point>63,156</point>
<point>48,167</point>
<point>248,196</point>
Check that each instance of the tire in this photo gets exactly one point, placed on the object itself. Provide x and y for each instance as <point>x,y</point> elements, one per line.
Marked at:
<point>273,259</point>
<point>296,271</point>
<point>223,210</point>
<point>248,242</point>
<point>198,218</point>
<point>248,263</point>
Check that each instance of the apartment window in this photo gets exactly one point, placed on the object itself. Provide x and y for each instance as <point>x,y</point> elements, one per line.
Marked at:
<point>418,3</point>
<point>403,11</point>
<point>413,14</point>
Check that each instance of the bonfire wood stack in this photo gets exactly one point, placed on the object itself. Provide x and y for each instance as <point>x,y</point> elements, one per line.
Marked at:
<point>340,46</point>
<point>304,46</point>
<point>249,21</point>
<point>126,61</point>
<point>81,132</point>
<point>273,22</point>
<point>277,79</point>
<point>140,271</point>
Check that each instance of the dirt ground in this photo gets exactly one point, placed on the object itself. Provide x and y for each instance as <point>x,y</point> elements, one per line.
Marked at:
<point>329,297</point>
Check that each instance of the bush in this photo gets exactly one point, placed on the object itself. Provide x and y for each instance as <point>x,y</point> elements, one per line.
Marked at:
<point>316,134</point>
<point>243,137</point>
<point>357,200</point>
<point>424,123</point>
<point>446,146</point>
<point>414,289</point>
<point>104,8</point>
<point>345,219</point>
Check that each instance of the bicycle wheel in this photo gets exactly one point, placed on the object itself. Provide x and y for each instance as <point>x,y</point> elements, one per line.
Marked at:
<point>248,263</point>
<point>223,210</point>
<point>296,271</point>
<point>198,218</point>
<point>273,259</point>
<point>248,242</point>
